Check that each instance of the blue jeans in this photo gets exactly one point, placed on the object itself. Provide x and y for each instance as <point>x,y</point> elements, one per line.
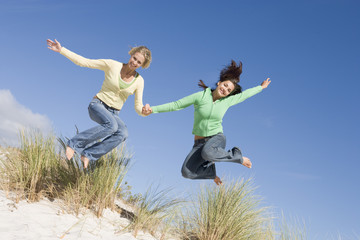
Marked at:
<point>199,164</point>
<point>97,141</point>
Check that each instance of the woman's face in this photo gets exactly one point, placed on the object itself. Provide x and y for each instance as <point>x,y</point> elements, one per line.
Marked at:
<point>224,89</point>
<point>136,60</point>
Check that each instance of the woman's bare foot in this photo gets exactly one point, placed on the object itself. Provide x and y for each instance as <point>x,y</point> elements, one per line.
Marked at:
<point>247,162</point>
<point>85,160</point>
<point>218,181</point>
<point>69,153</point>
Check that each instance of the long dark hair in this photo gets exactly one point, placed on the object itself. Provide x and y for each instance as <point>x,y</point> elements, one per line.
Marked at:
<point>229,73</point>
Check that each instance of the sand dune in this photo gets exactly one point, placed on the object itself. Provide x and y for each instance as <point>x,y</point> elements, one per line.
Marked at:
<point>47,220</point>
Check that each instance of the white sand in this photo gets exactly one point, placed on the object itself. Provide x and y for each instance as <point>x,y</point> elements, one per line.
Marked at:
<point>47,220</point>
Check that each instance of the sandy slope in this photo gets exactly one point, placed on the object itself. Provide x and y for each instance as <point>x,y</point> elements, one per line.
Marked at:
<point>47,220</point>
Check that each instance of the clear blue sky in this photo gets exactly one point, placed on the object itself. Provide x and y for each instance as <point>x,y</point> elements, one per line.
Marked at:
<point>302,133</point>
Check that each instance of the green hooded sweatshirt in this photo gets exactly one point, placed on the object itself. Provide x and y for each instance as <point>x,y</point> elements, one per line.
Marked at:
<point>208,114</point>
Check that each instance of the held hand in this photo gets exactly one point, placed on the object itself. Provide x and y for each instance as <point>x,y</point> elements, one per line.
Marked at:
<point>146,110</point>
<point>265,83</point>
<point>55,46</point>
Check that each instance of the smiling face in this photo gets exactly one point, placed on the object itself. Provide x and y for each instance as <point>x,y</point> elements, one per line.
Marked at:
<point>136,61</point>
<point>223,89</point>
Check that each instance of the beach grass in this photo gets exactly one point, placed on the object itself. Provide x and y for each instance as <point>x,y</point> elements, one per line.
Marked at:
<point>99,185</point>
<point>292,228</point>
<point>226,212</point>
<point>32,170</point>
<point>155,212</point>
<point>39,169</point>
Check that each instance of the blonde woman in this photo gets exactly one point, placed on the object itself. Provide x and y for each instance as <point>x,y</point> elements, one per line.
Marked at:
<point>121,80</point>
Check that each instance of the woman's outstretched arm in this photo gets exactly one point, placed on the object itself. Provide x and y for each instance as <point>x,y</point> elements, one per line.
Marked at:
<point>173,106</point>
<point>179,104</point>
<point>101,64</point>
<point>240,97</point>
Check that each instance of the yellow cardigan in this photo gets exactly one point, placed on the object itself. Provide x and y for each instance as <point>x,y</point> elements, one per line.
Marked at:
<point>111,93</point>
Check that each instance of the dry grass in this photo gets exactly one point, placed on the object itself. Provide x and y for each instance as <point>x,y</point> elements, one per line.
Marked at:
<point>155,212</point>
<point>32,170</point>
<point>100,185</point>
<point>292,229</point>
<point>36,169</point>
<point>228,212</point>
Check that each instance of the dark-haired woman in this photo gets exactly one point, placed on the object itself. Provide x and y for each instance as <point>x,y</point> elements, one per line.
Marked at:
<point>210,107</point>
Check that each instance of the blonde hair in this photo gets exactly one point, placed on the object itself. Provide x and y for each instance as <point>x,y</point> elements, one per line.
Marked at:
<point>145,52</point>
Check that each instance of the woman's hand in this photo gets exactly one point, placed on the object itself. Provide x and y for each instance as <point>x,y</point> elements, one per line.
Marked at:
<point>55,46</point>
<point>265,83</point>
<point>146,110</point>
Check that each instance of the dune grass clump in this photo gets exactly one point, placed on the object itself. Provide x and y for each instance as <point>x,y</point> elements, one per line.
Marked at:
<point>99,185</point>
<point>38,168</point>
<point>227,212</point>
<point>155,212</point>
<point>292,229</point>
<point>32,170</point>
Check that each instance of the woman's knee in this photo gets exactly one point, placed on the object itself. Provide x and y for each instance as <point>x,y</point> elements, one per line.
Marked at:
<point>112,126</point>
<point>122,133</point>
<point>206,154</point>
<point>187,174</point>
<point>121,128</point>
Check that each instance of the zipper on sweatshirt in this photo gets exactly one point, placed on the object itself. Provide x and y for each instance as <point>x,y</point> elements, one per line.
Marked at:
<point>208,119</point>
